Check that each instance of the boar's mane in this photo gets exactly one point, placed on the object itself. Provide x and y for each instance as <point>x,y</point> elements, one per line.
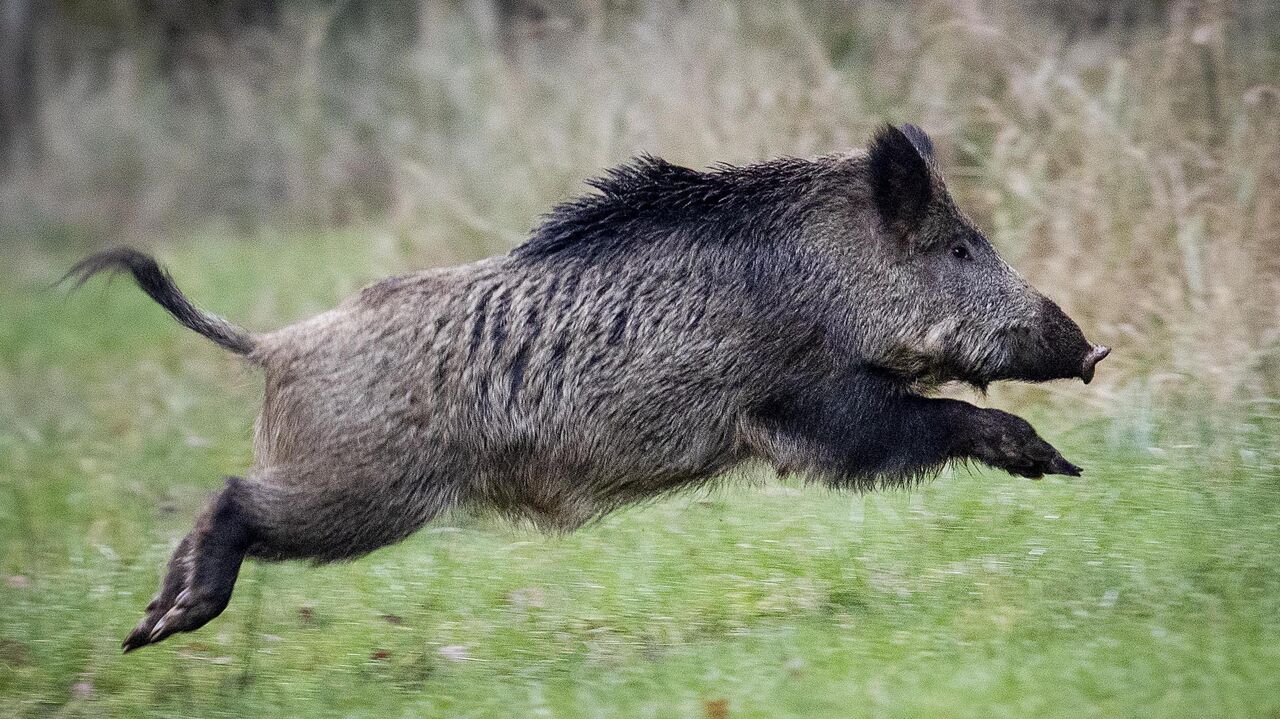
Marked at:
<point>650,200</point>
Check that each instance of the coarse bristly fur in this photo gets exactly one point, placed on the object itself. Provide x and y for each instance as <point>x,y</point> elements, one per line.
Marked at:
<point>648,337</point>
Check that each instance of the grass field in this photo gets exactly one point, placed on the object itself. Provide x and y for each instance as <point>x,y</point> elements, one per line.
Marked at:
<point>1147,588</point>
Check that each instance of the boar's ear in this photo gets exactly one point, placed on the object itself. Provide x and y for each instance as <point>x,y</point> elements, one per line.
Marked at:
<point>920,141</point>
<point>900,178</point>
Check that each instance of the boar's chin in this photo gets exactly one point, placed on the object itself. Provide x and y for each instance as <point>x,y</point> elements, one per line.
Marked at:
<point>979,380</point>
<point>928,371</point>
<point>1048,366</point>
<point>1030,374</point>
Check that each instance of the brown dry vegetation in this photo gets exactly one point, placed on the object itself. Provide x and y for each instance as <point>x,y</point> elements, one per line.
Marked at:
<point>1131,170</point>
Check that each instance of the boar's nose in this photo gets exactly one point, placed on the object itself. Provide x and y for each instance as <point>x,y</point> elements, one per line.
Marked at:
<point>1091,360</point>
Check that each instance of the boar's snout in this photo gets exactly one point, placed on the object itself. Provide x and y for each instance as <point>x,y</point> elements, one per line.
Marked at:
<point>1057,348</point>
<point>1091,360</point>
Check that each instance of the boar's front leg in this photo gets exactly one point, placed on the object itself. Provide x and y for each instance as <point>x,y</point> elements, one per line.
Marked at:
<point>863,428</point>
<point>1007,442</point>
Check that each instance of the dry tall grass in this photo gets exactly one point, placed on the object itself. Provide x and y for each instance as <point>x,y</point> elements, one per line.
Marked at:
<point>1133,174</point>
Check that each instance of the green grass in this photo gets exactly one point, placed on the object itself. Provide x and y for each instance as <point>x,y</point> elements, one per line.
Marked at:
<point>1148,588</point>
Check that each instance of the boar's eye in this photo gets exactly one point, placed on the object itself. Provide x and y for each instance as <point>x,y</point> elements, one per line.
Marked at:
<point>960,252</point>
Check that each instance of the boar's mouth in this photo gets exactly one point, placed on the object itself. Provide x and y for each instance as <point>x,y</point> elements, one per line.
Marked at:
<point>1070,366</point>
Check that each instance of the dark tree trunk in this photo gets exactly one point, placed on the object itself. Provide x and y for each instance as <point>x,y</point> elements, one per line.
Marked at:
<point>18,91</point>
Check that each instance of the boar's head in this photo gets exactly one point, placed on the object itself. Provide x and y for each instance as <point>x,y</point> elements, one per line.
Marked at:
<point>931,299</point>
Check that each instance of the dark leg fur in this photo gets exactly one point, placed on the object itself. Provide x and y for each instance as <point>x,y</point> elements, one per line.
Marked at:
<point>175,579</point>
<point>202,572</point>
<point>329,514</point>
<point>863,427</point>
<point>284,513</point>
<point>1008,442</point>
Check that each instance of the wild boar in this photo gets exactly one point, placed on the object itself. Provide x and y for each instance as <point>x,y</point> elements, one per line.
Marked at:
<point>648,337</point>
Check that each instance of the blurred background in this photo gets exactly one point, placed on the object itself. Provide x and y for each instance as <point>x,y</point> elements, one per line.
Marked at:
<point>279,154</point>
<point>1124,155</point>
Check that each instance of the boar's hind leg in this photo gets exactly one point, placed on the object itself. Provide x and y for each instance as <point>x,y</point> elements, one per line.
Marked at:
<point>332,513</point>
<point>319,512</point>
<point>201,573</point>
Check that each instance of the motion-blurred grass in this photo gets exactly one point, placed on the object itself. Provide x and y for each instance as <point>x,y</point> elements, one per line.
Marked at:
<point>1147,588</point>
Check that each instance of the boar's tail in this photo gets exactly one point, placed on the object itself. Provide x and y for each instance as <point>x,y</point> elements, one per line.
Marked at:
<point>160,287</point>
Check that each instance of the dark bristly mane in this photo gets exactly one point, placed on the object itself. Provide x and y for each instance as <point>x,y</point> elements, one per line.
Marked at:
<point>649,199</point>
